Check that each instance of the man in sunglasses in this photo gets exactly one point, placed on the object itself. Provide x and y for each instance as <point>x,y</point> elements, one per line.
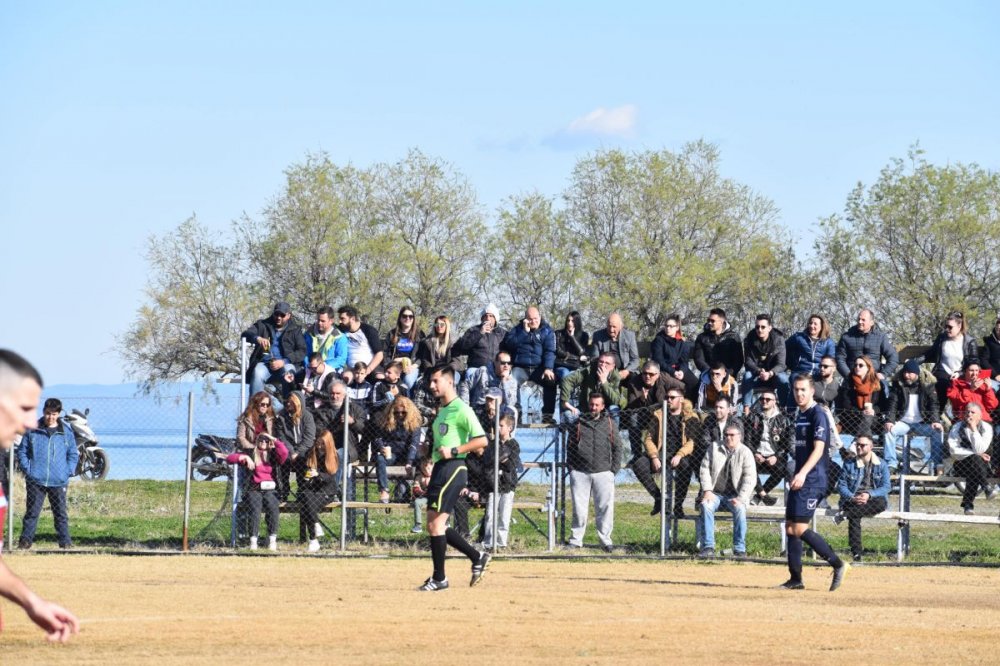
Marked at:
<point>769,434</point>
<point>683,431</point>
<point>495,375</point>
<point>827,382</point>
<point>645,391</point>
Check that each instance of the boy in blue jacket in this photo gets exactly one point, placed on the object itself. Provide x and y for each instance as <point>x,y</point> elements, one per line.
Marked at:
<point>48,456</point>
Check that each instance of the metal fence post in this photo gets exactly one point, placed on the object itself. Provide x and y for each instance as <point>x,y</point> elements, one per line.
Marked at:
<point>235,499</point>
<point>495,500</point>
<point>344,473</point>
<point>664,481</point>
<point>187,475</point>
<point>10,500</point>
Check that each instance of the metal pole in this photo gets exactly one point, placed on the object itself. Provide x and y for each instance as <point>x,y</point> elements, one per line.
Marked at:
<point>495,500</point>
<point>235,499</point>
<point>187,476</point>
<point>664,527</point>
<point>10,500</point>
<point>343,474</point>
<point>552,496</point>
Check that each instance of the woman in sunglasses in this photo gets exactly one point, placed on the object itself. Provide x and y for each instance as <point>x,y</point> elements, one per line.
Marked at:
<point>398,440</point>
<point>258,418</point>
<point>948,353</point>
<point>402,342</point>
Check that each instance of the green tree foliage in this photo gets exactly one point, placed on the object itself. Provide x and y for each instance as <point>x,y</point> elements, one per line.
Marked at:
<point>919,242</point>
<point>664,232</point>
<point>200,299</point>
<point>533,259</point>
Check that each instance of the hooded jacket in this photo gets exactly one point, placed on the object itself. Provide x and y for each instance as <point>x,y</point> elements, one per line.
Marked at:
<point>333,347</point>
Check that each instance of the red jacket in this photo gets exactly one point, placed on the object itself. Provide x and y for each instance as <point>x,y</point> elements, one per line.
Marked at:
<point>961,393</point>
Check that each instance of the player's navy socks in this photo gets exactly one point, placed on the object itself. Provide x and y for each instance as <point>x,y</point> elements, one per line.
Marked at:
<point>821,547</point>
<point>795,558</point>
<point>456,541</point>
<point>439,548</point>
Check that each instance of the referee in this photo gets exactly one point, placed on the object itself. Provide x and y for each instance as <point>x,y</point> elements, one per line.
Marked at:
<point>457,432</point>
<point>808,487</point>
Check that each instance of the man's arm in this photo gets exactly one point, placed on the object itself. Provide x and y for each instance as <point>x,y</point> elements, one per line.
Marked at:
<point>72,452</point>
<point>57,622</point>
<point>842,357</point>
<point>632,351</point>
<point>339,359</point>
<point>891,357</point>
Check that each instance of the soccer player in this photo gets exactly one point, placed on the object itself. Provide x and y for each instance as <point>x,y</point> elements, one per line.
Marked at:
<point>457,432</point>
<point>809,485</point>
<point>20,389</point>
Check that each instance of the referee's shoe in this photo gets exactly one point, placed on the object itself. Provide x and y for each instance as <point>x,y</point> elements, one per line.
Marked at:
<point>479,568</point>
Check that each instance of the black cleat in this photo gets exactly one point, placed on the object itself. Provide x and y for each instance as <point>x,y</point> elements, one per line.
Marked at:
<point>431,585</point>
<point>838,575</point>
<point>792,585</point>
<point>479,568</point>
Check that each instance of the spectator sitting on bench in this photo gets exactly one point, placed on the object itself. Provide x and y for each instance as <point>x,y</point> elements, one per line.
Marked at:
<point>913,407</point>
<point>297,429</point>
<point>598,377</point>
<point>398,439</point>
<point>316,381</point>
<point>262,492</point>
<point>333,416</point>
<point>860,399</point>
<point>969,444</point>
<point>497,374</point>
<point>727,477</point>
<point>972,388</point>
<point>769,434</point>
<point>319,485</point>
<point>864,490</point>
<point>682,433</point>
<point>719,383</point>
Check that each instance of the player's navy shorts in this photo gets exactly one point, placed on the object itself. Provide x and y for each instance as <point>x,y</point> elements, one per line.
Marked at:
<point>448,479</point>
<point>801,504</point>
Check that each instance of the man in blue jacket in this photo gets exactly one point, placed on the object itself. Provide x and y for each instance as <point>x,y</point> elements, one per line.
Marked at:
<point>48,456</point>
<point>532,345</point>
<point>864,491</point>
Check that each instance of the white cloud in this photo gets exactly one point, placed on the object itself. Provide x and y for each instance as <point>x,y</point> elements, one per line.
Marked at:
<point>618,121</point>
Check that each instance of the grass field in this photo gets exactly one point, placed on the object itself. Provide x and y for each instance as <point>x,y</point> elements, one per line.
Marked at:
<point>279,609</point>
<point>148,515</point>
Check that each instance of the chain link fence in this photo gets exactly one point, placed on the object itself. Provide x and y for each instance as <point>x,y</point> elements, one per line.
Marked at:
<point>640,500</point>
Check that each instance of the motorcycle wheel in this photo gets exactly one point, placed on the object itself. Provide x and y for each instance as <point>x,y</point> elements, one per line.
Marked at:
<point>205,467</point>
<point>95,468</point>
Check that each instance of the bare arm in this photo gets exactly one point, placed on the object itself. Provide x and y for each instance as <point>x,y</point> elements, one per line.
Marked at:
<point>57,622</point>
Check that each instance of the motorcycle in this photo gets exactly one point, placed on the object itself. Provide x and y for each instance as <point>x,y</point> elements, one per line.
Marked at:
<point>94,463</point>
<point>208,457</point>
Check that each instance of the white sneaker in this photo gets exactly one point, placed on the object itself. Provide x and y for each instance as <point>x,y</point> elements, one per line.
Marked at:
<point>318,530</point>
<point>253,543</point>
<point>272,542</point>
<point>313,546</point>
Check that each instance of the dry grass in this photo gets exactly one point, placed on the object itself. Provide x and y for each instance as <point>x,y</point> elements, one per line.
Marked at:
<point>198,609</point>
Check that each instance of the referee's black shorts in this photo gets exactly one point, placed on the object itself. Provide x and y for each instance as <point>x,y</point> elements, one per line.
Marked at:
<point>448,479</point>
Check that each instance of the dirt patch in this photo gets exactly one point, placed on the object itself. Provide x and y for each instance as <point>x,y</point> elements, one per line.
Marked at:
<point>196,609</point>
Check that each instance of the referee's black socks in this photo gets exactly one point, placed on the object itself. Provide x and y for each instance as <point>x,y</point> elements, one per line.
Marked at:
<point>821,548</point>
<point>439,548</point>
<point>456,541</point>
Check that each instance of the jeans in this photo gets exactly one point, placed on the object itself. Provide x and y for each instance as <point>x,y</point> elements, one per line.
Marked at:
<point>262,374</point>
<point>778,382</point>
<point>708,509</point>
<point>534,374</point>
<point>600,487</point>
<point>505,506</point>
<point>900,429</point>
<point>381,473</point>
<point>36,494</point>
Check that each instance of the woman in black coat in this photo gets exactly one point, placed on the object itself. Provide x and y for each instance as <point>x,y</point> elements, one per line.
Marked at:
<point>671,352</point>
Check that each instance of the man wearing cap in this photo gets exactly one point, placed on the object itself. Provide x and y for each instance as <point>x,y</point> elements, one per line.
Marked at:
<point>481,343</point>
<point>913,407</point>
<point>279,347</point>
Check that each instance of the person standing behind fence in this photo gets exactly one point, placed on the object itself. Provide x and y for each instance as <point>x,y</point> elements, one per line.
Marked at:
<point>48,456</point>
<point>864,491</point>
<point>456,432</point>
<point>262,493</point>
<point>813,430</point>
<point>593,454</point>
<point>20,389</point>
<point>510,464</point>
<point>969,444</point>
<point>318,487</point>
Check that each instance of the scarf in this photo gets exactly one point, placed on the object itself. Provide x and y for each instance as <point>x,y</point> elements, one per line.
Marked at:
<point>864,388</point>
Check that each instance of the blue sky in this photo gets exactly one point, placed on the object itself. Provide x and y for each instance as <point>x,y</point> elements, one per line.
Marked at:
<point>121,119</point>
